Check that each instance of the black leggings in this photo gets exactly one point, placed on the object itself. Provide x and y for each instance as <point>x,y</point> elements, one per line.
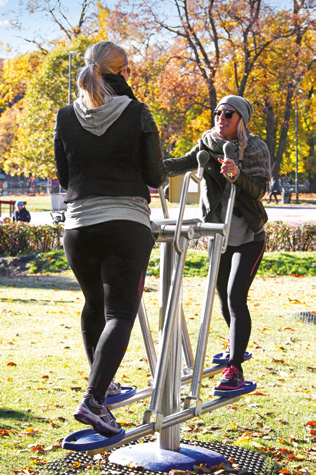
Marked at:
<point>110,261</point>
<point>238,267</point>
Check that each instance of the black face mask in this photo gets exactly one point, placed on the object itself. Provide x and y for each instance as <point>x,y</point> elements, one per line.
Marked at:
<point>119,85</point>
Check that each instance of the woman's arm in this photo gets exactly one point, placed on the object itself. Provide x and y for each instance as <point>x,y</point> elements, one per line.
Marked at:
<point>254,186</point>
<point>61,162</point>
<point>255,172</point>
<point>179,166</point>
<point>154,171</point>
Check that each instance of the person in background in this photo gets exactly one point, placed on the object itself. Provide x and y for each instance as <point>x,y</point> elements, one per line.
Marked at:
<point>21,213</point>
<point>107,152</point>
<point>249,169</point>
<point>274,190</point>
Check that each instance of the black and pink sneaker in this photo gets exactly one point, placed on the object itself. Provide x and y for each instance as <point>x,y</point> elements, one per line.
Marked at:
<point>97,415</point>
<point>233,379</point>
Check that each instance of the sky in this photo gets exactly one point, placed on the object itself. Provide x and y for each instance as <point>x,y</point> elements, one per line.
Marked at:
<point>33,25</point>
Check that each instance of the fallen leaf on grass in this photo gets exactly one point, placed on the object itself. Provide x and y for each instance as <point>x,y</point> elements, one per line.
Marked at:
<point>4,433</point>
<point>31,432</point>
<point>52,447</point>
<point>38,449</point>
<point>311,423</point>
<point>25,471</point>
<point>11,363</point>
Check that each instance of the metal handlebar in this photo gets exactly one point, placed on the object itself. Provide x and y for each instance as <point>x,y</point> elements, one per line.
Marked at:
<point>163,202</point>
<point>202,158</point>
<point>228,150</point>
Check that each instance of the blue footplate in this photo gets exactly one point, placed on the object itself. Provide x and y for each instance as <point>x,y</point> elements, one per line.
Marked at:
<point>88,439</point>
<point>247,388</point>
<point>219,358</point>
<point>126,393</point>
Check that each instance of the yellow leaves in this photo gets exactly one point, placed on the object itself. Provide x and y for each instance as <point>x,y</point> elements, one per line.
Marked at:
<point>233,425</point>
<point>245,439</point>
<point>30,432</point>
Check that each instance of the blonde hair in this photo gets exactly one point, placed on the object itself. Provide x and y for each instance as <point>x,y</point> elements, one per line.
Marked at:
<point>242,137</point>
<point>103,57</point>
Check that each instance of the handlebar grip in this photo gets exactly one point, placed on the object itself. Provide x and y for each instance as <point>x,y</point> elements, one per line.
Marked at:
<point>228,149</point>
<point>202,158</point>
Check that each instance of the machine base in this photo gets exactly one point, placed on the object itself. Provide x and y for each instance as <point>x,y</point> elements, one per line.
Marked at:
<point>150,457</point>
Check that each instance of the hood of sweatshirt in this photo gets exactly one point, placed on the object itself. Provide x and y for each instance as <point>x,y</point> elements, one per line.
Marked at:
<point>98,120</point>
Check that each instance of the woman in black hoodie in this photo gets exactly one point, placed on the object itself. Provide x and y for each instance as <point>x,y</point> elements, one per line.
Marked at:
<point>107,153</point>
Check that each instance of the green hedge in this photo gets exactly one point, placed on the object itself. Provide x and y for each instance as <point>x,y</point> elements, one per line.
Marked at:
<point>288,237</point>
<point>20,238</point>
<point>280,236</point>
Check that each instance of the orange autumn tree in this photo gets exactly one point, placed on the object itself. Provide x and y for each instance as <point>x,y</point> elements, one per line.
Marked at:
<point>230,46</point>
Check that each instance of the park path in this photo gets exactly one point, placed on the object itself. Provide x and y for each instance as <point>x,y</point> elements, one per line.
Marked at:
<point>288,213</point>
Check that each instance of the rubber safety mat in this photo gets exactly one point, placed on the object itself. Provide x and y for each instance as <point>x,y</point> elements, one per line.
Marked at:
<point>75,463</point>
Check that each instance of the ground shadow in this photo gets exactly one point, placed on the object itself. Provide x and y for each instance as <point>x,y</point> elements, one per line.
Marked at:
<point>60,281</point>
<point>7,414</point>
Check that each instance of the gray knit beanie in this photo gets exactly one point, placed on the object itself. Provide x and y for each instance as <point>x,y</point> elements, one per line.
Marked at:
<point>241,105</point>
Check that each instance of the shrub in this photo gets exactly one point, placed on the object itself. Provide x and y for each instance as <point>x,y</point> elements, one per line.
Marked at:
<point>280,236</point>
<point>21,238</point>
<point>288,237</point>
<point>49,263</point>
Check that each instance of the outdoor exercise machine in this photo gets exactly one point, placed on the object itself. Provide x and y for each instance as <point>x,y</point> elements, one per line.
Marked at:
<point>164,414</point>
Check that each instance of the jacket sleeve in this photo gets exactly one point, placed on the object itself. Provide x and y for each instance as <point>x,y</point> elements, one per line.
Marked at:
<point>255,182</point>
<point>255,187</point>
<point>154,171</point>
<point>181,165</point>
<point>62,170</point>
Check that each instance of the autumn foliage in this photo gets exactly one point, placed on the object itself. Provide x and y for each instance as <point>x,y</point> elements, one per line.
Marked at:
<point>184,57</point>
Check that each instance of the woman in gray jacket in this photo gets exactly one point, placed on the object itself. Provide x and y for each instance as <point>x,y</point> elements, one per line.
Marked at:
<point>249,169</point>
<point>107,153</point>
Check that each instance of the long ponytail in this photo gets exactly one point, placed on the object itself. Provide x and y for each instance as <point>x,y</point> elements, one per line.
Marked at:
<point>103,57</point>
<point>243,138</point>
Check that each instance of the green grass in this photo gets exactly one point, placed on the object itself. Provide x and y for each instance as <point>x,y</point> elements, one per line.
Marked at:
<point>44,370</point>
<point>33,203</point>
<point>273,263</point>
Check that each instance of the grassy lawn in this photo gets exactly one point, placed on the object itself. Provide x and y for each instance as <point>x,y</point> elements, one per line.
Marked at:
<point>44,370</point>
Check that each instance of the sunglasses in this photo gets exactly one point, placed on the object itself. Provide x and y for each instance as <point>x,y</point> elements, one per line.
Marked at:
<point>227,114</point>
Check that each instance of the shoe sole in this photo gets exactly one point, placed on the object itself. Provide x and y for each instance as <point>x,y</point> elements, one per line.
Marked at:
<point>101,428</point>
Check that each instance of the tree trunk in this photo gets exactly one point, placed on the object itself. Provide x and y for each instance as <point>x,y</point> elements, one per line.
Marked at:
<point>285,128</point>
<point>270,123</point>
